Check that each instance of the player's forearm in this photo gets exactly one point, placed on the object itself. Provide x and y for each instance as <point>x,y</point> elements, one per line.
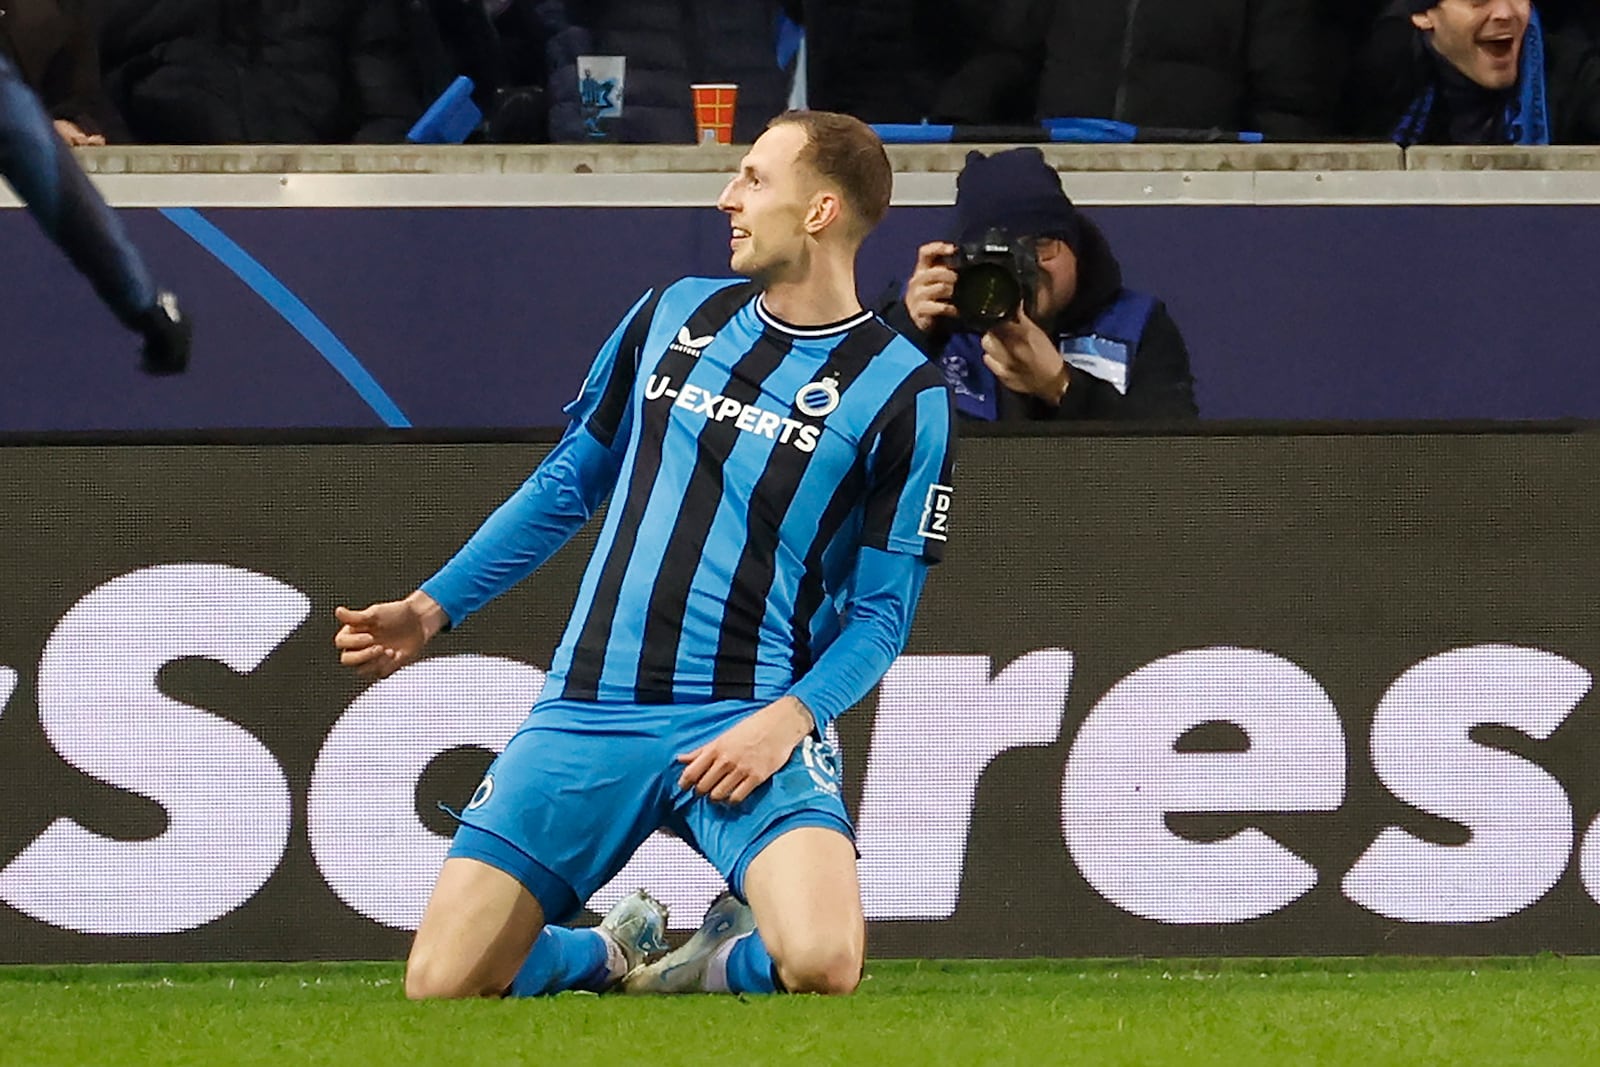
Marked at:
<point>38,164</point>
<point>540,517</point>
<point>887,587</point>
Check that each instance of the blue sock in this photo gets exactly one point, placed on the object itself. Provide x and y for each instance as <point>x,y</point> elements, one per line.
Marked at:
<point>750,967</point>
<point>562,959</point>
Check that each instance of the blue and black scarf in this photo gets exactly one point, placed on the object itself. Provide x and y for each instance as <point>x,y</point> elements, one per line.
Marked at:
<point>1527,117</point>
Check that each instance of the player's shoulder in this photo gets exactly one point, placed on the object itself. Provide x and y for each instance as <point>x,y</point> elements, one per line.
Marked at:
<point>687,295</point>
<point>906,384</point>
<point>915,370</point>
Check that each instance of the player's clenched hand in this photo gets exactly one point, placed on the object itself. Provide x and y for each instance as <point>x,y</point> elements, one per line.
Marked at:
<point>931,286</point>
<point>380,639</point>
<point>748,753</point>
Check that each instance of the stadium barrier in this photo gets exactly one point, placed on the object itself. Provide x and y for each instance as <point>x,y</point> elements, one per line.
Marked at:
<point>1243,692</point>
<point>453,287</point>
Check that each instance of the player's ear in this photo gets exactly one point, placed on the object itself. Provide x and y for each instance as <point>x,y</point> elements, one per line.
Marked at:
<point>825,210</point>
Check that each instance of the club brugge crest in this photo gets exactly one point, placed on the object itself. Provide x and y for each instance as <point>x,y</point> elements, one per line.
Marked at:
<point>818,398</point>
<point>822,763</point>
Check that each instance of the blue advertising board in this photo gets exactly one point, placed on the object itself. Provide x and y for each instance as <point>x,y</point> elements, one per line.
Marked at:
<point>487,316</point>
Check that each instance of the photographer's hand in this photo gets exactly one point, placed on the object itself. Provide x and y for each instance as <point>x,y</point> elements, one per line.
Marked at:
<point>931,286</point>
<point>1026,360</point>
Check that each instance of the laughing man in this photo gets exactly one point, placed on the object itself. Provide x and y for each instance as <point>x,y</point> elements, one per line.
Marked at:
<point>1477,72</point>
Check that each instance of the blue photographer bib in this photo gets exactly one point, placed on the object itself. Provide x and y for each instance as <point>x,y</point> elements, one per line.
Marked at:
<point>1105,351</point>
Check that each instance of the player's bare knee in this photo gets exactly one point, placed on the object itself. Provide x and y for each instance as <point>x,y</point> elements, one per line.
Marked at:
<point>420,984</point>
<point>426,979</point>
<point>428,987</point>
<point>424,982</point>
<point>830,981</point>
<point>830,972</point>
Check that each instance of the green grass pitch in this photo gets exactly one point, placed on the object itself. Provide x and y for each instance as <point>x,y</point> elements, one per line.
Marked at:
<point>1365,1013</point>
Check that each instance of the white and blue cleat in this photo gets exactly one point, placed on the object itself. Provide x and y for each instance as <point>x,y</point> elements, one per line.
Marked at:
<point>684,970</point>
<point>637,925</point>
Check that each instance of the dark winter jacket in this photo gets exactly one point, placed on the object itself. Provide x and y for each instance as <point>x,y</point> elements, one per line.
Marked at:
<point>53,44</point>
<point>495,51</point>
<point>1160,384</point>
<point>885,60</point>
<point>1582,17</point>
<point>261,71</point>
<point>669,45</point>
<point>1260,65</point>
<point>1396,65</point>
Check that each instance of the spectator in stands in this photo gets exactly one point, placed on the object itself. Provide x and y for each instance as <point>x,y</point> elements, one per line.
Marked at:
<point>1475,72</point>
<point>1257,65</point>
<point>1582,17</point>
<point>500,45</point>
<point>1350,22</point>
<point>52,42</point>
<point>668,47</point>
<point>885,60</point>
<point>1087,348</point>
<point>254,72</point>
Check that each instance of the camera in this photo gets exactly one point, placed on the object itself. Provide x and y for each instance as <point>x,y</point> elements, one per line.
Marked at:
<point>995,276</point>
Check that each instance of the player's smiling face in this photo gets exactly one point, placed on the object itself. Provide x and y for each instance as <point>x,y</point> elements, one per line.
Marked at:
<point>766,204</point>
<point>1480,38</point>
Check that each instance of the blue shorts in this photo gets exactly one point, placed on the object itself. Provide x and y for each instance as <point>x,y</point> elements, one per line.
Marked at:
<point>581,785</point>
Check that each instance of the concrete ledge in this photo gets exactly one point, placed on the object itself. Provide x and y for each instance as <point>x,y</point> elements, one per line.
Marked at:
<point>691,176</point>
<point>1468,157</point>
<point>1155,158</point>
<point>408,159</point>
<point>693,159</point>
<point>721,159</point>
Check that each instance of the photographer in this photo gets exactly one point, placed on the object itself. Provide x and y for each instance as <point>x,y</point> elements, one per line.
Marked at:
<point>1082,347</point>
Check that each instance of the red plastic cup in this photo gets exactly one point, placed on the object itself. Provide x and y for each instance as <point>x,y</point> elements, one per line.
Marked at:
<point>713,112</point>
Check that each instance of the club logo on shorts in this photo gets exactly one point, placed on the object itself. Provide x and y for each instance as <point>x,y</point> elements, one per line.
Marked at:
<point>822,763</point>
<point>481,795</point>
<point>818,398</point>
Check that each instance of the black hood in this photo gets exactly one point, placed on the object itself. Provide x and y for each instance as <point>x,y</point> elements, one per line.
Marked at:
<point>1099,279</point>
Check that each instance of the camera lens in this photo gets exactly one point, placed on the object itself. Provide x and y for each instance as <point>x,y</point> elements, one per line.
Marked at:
<point>986,294</point>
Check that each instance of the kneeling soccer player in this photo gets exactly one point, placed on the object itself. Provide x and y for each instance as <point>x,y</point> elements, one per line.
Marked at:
<point>782,464</point>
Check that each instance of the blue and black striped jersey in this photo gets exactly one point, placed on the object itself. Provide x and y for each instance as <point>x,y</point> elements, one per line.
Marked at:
<point>756,458</point>
<point>749,462</point>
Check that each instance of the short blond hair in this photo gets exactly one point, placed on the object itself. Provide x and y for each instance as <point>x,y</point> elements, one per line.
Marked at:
<point>845,151</point>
